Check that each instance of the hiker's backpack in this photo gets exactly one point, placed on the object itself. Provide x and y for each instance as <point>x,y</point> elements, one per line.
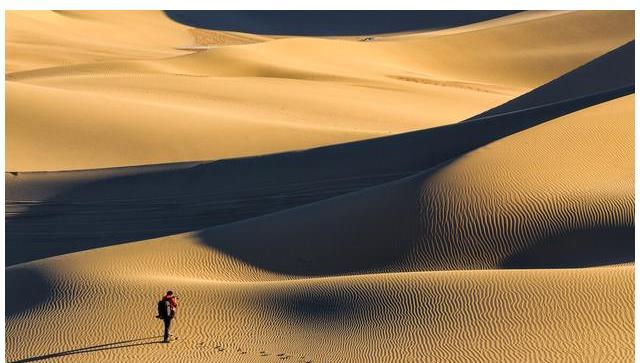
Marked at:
<point>164,309</point>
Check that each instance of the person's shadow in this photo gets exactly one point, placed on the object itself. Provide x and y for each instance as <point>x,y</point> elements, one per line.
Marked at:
<point>95,348</point>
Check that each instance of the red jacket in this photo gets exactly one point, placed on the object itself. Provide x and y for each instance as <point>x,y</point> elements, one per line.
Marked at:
<point>172,301</point>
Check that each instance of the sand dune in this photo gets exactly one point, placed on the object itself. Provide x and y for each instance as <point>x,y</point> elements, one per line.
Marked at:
<point>72,211</point>
<point>568,315</point>
<point>272,96</point>
<point>537,199</point>
<point>43,39</point>
<point>505,237</point>
<point>40,39</point>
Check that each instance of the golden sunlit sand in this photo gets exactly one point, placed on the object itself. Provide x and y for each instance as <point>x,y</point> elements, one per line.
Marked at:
<point>279,95</point>
<point>144,155</point>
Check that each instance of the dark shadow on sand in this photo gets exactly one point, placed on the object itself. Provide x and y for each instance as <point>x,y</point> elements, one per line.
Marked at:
<point>25,288</point>
<point>580,248</point>
<point>95,348</point>
<point>324,239</point>
<point>330,22</point>
<point>321,307</point>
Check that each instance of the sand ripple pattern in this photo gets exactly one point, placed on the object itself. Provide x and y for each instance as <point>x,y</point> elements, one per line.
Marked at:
<point>541,188</point>
<point>467,316</point>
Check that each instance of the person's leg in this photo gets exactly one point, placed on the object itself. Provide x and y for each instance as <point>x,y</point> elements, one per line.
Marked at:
<point>167,323</point>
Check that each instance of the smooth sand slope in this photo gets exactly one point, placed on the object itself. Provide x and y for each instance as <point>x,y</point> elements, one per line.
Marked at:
<point>277,95</point>
<point>44,39</point>
<point>506,237</point>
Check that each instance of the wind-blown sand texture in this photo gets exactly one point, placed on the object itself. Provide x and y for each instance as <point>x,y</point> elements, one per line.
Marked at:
<point>482,210</point>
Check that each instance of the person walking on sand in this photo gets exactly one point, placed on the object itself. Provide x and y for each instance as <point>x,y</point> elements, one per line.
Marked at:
<point>167,311</point>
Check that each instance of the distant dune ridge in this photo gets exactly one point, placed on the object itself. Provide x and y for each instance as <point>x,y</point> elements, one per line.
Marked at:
<point>495,224</point>
<point>238,100</point>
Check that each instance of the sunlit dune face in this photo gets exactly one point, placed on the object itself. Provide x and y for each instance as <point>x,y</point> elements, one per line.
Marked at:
<point>204,94</point>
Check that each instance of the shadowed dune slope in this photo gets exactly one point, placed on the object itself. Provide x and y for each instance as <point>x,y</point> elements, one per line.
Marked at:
<point>331,22</point>
<point>77,210</point>
<point>578,83</point>
<point>557,195</point>
<point>274,96</point>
